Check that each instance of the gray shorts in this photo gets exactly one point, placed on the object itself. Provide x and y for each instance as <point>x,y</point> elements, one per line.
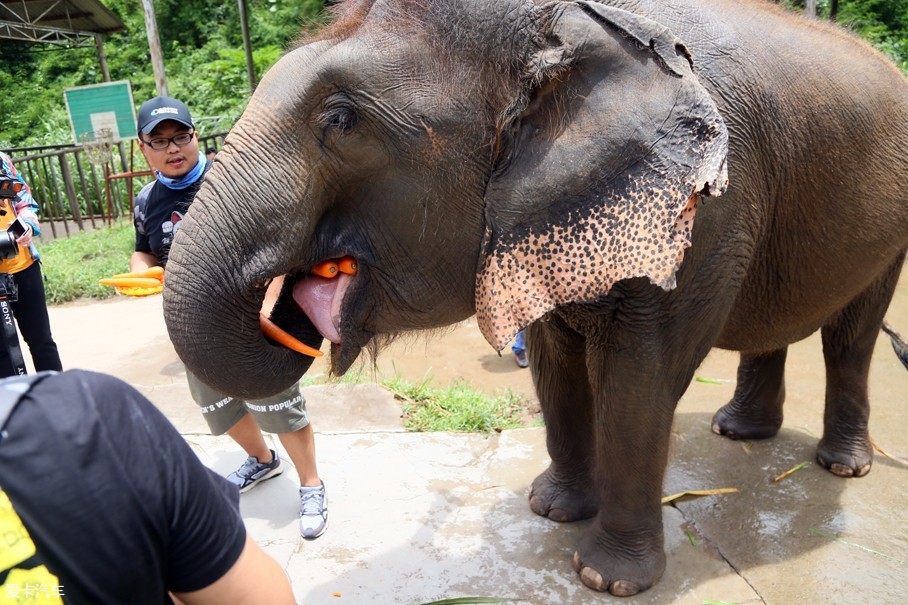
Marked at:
<point>281,413</point>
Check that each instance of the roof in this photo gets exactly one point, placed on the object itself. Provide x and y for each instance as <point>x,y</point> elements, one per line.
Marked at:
<point>60,22</point>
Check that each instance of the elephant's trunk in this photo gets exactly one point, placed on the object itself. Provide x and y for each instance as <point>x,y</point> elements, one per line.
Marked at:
<point>228,249</point>
<point>212,300</point>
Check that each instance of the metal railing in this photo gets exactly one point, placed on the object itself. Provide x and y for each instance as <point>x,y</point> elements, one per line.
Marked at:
<point>74,194</point>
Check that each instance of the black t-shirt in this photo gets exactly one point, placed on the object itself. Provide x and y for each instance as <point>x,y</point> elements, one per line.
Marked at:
<point>157,215</point>
<point>118,506</point>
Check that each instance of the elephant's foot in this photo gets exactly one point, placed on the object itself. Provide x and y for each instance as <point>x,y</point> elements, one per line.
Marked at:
<point>561,500</point>
<point>755,410</point>
<point>745,421</point>
<point>616,569</point>
<point>846,457</point>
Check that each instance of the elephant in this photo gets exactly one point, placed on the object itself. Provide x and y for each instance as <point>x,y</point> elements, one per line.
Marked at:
<point>633,182</point>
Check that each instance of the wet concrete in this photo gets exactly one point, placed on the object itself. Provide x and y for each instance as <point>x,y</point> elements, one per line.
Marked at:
<point>419,517</point>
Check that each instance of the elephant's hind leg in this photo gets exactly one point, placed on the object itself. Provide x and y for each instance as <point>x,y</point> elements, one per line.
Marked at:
<point>755,411</point>
<point>557,355</point>
<point>848,342</point>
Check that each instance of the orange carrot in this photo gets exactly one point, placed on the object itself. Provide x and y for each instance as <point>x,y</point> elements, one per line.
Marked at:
<point>155,272</point>
<point>152,272</point>
<point>325,269</point>
<point>272,331</point>
<point>130,282</point>
<point>347,265</point>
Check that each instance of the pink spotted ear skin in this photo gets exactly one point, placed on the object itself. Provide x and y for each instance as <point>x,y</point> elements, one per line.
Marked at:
<point>641,228</point>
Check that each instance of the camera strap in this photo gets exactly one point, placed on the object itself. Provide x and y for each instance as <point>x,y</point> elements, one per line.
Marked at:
<point>11,339</point>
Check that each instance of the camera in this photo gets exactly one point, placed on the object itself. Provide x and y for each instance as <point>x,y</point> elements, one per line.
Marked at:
<point>9,189</point>
<point>8,246</point>
<point>8,289</point>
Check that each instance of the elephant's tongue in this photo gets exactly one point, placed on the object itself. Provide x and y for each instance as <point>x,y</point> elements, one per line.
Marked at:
<point>320,299</point>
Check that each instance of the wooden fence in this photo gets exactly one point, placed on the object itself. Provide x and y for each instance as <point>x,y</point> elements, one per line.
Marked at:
<point>75,194</point>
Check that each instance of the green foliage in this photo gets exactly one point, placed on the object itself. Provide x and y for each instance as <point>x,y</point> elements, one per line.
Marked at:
<point>460,407</point>
<point>73,265</point>
<point>204,62</point>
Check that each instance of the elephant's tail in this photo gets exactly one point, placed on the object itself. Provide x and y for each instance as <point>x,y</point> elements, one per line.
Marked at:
<point>898,343</point>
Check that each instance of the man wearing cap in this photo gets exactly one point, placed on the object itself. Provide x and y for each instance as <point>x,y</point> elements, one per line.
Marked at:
<point>168,139</point>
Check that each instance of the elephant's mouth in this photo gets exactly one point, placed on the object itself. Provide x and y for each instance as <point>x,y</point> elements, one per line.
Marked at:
<point>320,298</point>
<point>310,302</point>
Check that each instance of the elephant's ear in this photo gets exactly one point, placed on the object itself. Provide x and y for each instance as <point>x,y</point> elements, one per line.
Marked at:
<point>607,161</point>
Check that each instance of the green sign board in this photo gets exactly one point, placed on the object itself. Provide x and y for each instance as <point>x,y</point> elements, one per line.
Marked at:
<point>108,105</point>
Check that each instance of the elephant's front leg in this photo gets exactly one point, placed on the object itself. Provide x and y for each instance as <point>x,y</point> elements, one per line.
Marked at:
<point>566,490</point>
<point>635,395</point>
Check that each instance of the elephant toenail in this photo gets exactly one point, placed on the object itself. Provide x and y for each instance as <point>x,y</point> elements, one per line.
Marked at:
<point>560,515</point>
<point>576,561</point>
<point>624,588</point>
<point>537,507</point>
<point>841,470</point>
<point>592,579</point>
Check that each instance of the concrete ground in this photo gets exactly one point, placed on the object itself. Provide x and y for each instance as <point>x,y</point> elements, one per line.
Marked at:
<point>422,517</point>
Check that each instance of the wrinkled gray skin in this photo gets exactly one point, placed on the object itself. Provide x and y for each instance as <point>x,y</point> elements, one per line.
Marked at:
<point>430,142</point>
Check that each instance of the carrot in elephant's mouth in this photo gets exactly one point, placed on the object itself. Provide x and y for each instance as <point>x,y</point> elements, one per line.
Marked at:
<point>325,269</point>
<point>347,265</point>
<point>272,331</point>
<point>330,268</point>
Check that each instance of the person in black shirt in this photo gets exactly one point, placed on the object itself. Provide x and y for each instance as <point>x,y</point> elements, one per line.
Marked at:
<point>103,502</point>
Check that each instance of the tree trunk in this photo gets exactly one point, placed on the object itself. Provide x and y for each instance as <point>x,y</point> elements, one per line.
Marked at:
<point>810,8</point>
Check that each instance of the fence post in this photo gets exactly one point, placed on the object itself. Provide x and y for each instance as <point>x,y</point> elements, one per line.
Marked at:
<point>85,196</point>
<point>70,190</point>
<point>54,189</point>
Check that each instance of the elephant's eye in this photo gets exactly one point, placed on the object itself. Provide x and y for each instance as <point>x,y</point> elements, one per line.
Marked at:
<point>341,117</point>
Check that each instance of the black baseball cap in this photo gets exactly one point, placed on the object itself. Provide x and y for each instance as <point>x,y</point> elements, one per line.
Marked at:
<point>159,109</point>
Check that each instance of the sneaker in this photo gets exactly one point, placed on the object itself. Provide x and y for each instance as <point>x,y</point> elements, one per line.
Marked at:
<point>254,472</point>
<point>313,511</point>
<point>521,358</point>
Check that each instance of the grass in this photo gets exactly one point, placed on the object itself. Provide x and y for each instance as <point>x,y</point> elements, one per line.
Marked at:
<point>73,265</point>
<point>460,407</point>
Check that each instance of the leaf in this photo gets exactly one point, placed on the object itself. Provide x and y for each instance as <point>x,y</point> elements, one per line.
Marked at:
<point>887,454</point>
<point>690,536</point>
<point>790,471</point>
<point>712,380</point>
<point>864,548</point>
<point>698,493</point>
<point>467,600</point>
